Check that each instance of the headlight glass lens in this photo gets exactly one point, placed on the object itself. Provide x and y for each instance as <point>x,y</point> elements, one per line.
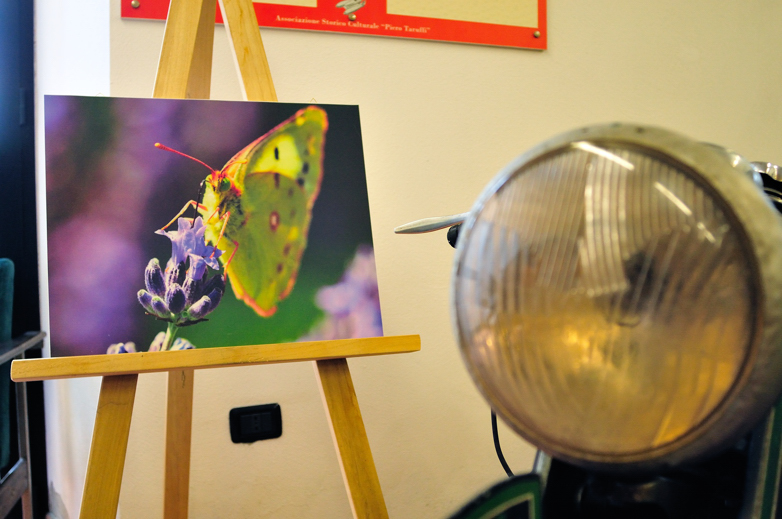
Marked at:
<point>604,300</point>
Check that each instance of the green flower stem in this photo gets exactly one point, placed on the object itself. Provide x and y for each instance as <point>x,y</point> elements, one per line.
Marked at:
<point>171,332</point>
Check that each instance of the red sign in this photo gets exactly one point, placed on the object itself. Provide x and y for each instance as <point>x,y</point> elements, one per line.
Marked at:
<point>507,23</point>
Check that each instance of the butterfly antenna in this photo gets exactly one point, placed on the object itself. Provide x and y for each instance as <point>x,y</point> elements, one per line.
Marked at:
<point>172,150</point>
<point>234,160</point>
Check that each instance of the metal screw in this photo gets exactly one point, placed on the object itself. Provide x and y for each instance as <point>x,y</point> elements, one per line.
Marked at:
<point>352,17</point>
<point>535,34</point>
<point>134,4</point>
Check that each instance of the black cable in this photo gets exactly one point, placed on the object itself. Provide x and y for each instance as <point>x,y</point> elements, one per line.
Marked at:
<point>497,447</point>
<point>453,235</point>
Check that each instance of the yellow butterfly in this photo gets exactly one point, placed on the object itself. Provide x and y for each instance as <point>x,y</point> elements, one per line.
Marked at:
<point>258,208</point>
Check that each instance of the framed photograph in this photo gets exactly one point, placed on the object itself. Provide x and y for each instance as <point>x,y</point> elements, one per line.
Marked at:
<point>176,224</point>
<point>507,23</point>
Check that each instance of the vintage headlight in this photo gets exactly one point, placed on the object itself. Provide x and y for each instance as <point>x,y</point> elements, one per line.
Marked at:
<point>617,296</point>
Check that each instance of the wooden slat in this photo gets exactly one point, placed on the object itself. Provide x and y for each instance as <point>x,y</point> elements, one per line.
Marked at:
<point>185,66</point>
<point>146,362</point>
<point>109,445</point>
<point>179,419</point>
<point>249,55</point>
<point>350,440</point>
<point>13,486</point>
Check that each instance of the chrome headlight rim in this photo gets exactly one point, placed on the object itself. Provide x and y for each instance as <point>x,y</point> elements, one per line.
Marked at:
<point>722,176</point>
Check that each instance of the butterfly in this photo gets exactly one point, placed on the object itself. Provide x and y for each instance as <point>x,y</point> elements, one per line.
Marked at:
<point>258,208</point>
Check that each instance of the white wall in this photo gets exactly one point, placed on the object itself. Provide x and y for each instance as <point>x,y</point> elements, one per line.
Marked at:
<point>71,57</point>
<point>438,121</point>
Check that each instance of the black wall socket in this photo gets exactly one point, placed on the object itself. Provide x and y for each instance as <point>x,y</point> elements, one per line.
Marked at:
<point>257,422</point>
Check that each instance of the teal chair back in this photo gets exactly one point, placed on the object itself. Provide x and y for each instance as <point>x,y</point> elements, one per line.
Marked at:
<point>6,305</point>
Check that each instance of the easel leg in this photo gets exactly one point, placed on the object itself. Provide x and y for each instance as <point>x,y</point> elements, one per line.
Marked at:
<point>184,71</point>
<point>109,445</point>
<point>179,420</point>
<point>249,56</point>
<point>185,66</point>
<point>350,440</point>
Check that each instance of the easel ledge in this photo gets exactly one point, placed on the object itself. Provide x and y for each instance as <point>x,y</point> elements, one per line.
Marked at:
<point>151,362</point>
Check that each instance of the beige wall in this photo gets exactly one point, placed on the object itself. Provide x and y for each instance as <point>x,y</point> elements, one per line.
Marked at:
<point>438,121</point>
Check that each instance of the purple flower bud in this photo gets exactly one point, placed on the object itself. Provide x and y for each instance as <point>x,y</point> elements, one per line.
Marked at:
<point>175,298</point>
<point>214,289</point>
<point>157,342</point>
<point>215,296</point>
<point>182,344</point>
<point>172,273</point>
<point>200,308</point>
<point>145,298</point>
<point>128,347</point>
<point>153,278</point>
<point>192,288</point>
<point>122,347</point>
<point>215,282</point>
<point>159,308</point>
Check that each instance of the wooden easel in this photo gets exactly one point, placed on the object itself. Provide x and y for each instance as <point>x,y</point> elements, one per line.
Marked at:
<point>184,71</point>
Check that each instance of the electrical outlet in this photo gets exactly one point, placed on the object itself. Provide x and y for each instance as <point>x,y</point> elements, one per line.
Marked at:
<point>253,423</point>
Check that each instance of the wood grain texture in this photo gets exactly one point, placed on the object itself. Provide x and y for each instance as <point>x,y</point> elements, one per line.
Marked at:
<point>150,362</point>
<point>185,66</point>
<point>109,445</point>
<point>179,427</point>
<point>350,440</point>
<point>249,55</point>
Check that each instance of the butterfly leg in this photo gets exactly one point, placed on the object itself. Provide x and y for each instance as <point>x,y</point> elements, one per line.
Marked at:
<point>228,261</point>
<point>224,218</point>
<point>191,203</point>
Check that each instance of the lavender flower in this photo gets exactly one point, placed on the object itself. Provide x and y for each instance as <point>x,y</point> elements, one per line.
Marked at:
<point>157,342</point>
<point>183,296</point>
<point>178,344</point>
<point>157,345</point>
<point>122,347</point>
<point>188,240</point>
<point>352,306</point>
<point>182,344</point>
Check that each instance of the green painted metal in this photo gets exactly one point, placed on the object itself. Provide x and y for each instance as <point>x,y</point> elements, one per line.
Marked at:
<point>516,498</point>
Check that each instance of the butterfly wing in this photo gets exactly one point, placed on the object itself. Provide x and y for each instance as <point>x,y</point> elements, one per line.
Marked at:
<point>276,180</point>
<point>293,149</point>
<point>271,232</point>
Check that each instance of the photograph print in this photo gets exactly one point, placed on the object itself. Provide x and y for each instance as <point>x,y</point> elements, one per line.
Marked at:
<point>179,224</point>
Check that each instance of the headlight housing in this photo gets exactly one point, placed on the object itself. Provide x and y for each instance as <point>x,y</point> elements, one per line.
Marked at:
<point>617,296</point>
